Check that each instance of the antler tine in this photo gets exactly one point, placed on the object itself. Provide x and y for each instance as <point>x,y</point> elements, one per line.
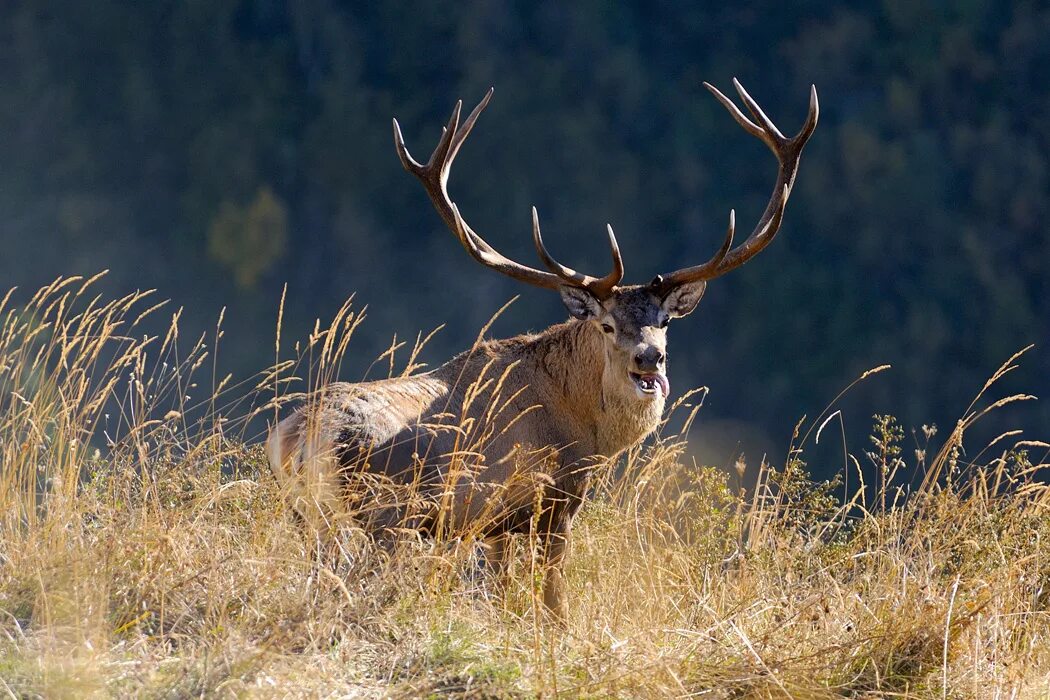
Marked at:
<point>441,151</point>
<point>407,161</point>
<point>811,117</point>
<point>788,152</point>
<point>601,287</point>
<point>489,257</point>
<point>664,283</point>
<point>728,242</point>
<point>767,124</point>
<point>434,176</point>
<point>616,274</point>
<point>733,110</point>
<point>464,130</point>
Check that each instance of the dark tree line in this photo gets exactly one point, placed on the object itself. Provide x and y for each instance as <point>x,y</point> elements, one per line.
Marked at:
<point>216,150</point>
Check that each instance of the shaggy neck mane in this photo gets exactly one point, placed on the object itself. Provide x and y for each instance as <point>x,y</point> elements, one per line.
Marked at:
<point>572,356</point>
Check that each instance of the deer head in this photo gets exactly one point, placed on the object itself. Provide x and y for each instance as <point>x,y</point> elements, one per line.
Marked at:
<point>632,318</point>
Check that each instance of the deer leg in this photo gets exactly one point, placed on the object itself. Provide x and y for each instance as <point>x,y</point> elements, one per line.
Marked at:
<point>555,547</point>
<point>499,553</point>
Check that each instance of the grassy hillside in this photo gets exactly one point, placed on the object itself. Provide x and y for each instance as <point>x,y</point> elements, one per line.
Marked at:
<point>144,551</point>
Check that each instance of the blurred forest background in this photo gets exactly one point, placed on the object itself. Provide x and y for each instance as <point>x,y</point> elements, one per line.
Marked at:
<point>216,150</point>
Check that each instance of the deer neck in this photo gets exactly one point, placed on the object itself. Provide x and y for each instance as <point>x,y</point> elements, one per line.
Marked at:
<point>608,412</point>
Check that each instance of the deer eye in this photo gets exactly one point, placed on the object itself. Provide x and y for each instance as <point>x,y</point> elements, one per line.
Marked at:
<point>607,328</point>
<point>664,321</point>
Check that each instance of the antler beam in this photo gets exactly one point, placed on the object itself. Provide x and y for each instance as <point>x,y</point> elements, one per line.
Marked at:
<point>434,176</point>
<point>788,152</point>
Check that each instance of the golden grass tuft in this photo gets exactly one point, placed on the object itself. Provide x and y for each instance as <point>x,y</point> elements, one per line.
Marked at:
<point>144,551</point>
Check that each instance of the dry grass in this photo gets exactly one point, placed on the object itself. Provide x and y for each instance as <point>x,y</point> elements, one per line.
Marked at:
<point>144,552</point>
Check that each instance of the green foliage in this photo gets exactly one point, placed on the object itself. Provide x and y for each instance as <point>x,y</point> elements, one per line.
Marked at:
<point>886,437</point>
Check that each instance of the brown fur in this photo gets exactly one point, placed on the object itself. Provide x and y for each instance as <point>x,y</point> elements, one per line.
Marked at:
<point>503,438</point>
<point>473,446</point>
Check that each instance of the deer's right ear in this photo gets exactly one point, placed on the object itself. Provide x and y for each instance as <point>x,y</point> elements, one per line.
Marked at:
<point>580,303</point>
<point>683,299</point>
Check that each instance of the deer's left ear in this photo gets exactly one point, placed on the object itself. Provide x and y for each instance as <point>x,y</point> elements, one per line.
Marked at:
<point>580,303</point>
<point>681,300</point>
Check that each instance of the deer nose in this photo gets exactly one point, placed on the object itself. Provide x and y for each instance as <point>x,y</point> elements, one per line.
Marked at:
<point>649,360</point>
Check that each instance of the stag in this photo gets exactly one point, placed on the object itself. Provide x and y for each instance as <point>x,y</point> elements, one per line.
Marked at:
<point>503,438</point>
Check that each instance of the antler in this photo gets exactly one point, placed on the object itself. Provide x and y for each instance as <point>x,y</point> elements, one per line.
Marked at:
<point>788,151</point>
<point>434,176</point>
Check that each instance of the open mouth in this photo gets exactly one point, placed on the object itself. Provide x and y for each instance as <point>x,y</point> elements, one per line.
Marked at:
<point>651,383</point>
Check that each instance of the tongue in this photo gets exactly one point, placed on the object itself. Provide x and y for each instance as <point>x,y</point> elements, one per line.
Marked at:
<point>657,380</point>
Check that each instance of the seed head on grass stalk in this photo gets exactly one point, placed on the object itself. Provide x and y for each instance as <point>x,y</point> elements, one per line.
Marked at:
<point>162,562</point>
